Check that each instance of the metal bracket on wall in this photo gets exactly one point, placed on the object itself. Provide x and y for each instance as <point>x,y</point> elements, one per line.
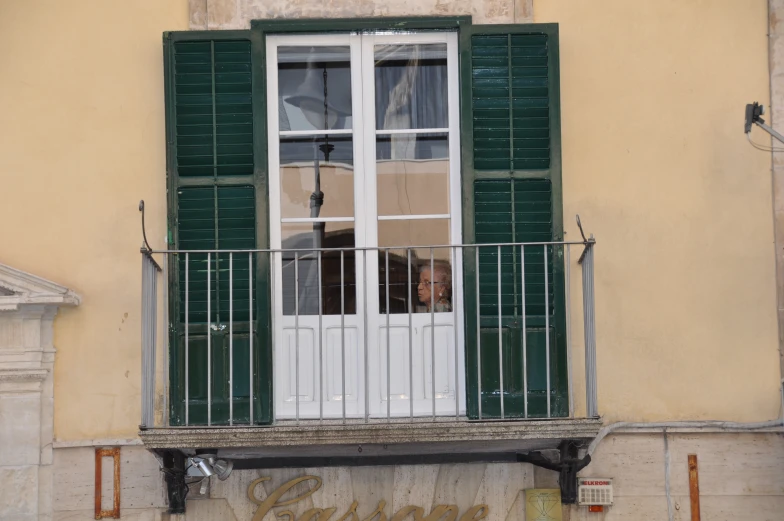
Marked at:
<point>589,242</point>
<point>146,249</point>
<point>567,466</point>
<point>173,469</point>
<point>114,453</point>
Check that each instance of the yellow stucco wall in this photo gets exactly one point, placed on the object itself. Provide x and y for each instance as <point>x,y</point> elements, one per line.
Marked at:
<point>654,161</point>
<point>656,164</point>
<point>81,141</point>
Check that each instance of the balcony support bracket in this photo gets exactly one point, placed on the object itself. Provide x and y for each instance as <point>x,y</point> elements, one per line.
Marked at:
<point>567,466</point>
<point>174,473</point>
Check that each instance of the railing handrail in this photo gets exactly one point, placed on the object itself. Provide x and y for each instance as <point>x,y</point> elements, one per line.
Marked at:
<point>377,248</point>
<point>151,271</point>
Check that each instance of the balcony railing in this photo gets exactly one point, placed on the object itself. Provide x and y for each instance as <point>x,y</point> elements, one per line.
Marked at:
<point>340,337</point>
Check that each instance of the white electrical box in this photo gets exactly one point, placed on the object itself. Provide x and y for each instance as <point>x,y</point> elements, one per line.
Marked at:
<point>594,491</point>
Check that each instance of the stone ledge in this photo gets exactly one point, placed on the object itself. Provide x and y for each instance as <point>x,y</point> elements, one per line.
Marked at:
<point>501,435</point>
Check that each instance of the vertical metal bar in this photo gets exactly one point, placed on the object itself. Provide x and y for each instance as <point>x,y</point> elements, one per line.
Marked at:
<point>478,339</point>
<point>343,331</point>
<point>321,354</point>
<point>146,326</point>
<point>590,334</point>
<point>187,333</point>
<point>568,291</point>
<point>165,339</point>
<point>209,339</point>
<point>452,260</point>
<point>433,332</point>
<point>547,325</point>
<point>365,330</point>
<point>250,336</point>
<point>389,369</point>
<point>296,334</point>
<point>500,339</point>
<point>410,341</point>
<point>231,338</point>
<point>145,363</point>
<point>153,337</point>
<point>525,332</point>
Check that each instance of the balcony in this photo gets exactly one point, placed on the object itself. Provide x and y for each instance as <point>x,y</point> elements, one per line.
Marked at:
<point>284,353</point>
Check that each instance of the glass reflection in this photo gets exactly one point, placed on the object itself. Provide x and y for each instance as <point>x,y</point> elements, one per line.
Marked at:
<point>411,86</point>
<point>317,176</point>
<point>426,290</point>
<point>314,88</point>
<point>412,174</point>
<point>419,234</point>
<point>315,235</point>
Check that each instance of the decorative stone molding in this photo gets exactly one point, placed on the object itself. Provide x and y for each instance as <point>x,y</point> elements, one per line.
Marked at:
<point>237,14</point>
<point>28,305</point>
<point>19,288</point>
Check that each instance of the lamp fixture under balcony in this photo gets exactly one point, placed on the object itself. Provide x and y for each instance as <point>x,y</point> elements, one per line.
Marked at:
<point>210,465</point>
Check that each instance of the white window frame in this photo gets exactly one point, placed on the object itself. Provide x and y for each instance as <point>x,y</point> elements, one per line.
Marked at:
<point>365,219</point>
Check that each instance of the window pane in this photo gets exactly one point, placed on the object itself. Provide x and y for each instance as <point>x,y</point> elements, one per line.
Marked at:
<point>314,88</point>
<point>425,289</point>
<point>324,235</point>
<point>411,86</point>
<point>412,174</point>
<point>324,160</point>
<point>422,233</point>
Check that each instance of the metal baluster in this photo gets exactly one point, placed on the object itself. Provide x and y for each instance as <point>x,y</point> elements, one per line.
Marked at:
<point>343,331</point>
<point>525,334</point>
<point>147,302</point>
<point>567,251</point>
<point>145,342</point>
<point>250,336</point>
<point>153,336</point>
<point>165,338</point>
<point>321,357</point>
<point>410,341</point>
<point>478,338</point>
<point>365,330</point>
<point>187,342</point>
<point>432,333</point>
<point>453,259</point>
<point>389,369</point>
<point>500,339</point>
<point>231,339</point>
<point>209,339</point>
<point>547,325</point>
<point>296,334</point>
<point>591,404</point>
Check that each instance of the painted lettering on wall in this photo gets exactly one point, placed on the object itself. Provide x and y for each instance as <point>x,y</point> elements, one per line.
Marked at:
<point>408,513</point>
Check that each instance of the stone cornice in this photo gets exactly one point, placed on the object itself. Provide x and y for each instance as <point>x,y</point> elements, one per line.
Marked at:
<point>20,288</point>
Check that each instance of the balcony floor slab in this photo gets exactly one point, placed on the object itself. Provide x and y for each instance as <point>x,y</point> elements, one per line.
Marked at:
<point>373,439</point>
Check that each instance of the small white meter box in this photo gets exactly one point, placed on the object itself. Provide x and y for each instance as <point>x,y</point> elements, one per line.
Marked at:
<point>594,491</point>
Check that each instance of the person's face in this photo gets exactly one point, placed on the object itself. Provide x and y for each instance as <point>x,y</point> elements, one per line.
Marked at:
<point>425,289</point>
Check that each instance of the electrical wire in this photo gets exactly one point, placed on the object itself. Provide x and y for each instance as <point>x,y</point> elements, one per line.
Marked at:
<point>705,424</point>
<point>764,148</point>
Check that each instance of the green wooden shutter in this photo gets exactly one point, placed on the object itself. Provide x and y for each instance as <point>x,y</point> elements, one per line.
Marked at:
<point>512,178</point>
<point>213,204</point>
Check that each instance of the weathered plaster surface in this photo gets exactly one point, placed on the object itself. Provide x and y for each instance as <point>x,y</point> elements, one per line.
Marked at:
<point>237,14</point>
